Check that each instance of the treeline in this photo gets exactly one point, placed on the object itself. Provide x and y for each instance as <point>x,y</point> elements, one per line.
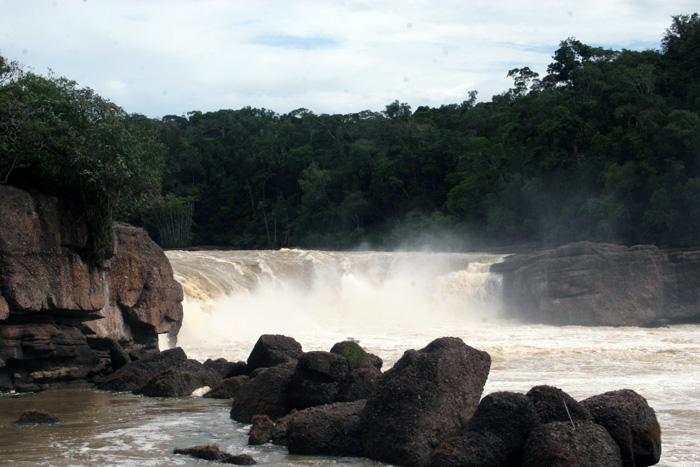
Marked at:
<point>604,147</point>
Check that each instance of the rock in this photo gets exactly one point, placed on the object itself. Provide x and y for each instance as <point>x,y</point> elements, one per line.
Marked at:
<point>144,298</point>
<point>584,284</point>
<point>502,422</point>
<point>554,405</point>
<point>359,384</point>
<point>317,379</point>
<point>261,430</point>
<point>136,374</point>
<point>265,393</point>
<point>34,416</point>
<point>273,349</point>
<point>227,388</point>
<point>330,430</point>
<point>558,444</point>
<point>680,271</point>
<point>117,355</point>
<point>57,306</point>
<point>225,368</point>
<point>213,453</point>
<point>470,449</point>
<point>279,431</point>
<point>631,423</point>
<point>180,380</point>
<point>426,398</point>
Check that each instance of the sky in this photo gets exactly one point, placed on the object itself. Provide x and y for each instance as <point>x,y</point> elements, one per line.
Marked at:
<point>170,57</point>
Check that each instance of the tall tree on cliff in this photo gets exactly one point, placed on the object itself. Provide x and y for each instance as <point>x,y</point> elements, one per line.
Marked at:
<point>68,141</point>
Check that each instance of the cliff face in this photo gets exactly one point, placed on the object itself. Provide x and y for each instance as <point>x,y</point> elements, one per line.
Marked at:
<point>59,318</point>
<point>600,284</point>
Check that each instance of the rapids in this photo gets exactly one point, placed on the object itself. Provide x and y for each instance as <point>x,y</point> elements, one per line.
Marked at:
<point>389,302</point>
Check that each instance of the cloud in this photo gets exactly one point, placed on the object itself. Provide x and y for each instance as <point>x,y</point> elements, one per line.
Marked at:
<point>169,57</point>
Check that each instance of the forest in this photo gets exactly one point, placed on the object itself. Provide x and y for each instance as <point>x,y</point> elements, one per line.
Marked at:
<point>605,147</point>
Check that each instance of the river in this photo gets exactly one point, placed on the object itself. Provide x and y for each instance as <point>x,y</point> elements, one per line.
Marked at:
<point>389,302</point>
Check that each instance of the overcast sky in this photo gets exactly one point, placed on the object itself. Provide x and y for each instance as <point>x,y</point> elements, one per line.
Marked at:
<point>159,57</point>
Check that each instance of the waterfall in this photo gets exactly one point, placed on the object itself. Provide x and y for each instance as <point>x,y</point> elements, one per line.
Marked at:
<point>236,295</point>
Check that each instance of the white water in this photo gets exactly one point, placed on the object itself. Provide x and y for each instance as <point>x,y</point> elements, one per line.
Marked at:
<point>392,302</point>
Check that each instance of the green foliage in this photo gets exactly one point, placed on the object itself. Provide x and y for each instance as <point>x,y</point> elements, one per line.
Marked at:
<point>355,355</point>
<point>70,142</point>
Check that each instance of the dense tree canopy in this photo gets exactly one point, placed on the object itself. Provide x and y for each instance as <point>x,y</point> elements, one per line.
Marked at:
<point>604,147</point>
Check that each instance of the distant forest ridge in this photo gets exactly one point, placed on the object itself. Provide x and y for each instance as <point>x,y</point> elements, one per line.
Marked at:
<point>604,147</point>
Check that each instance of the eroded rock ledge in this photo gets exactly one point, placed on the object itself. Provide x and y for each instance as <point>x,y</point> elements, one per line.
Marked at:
<point>62,320</point>
<point>594,284</point>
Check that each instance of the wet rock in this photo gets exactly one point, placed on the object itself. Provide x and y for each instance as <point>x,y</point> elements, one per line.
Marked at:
<point>225,368</point>
<point>136,374</point>
<point>261,430</point>
<point>265,393</point>
<point>34,416</point>
<point>279,431</point>
<point>359,384</point>
<point>213,453</point>
<point>559,444</point>
<point>330,430</point>
<point>317,379</point>
<point>180,380</point>
<point>502,422</point>
<point>631,423</point>
<point>426,398</point>
<point>273,349</point>
<point>554,405</point>
<point>227,388</point>
<point>117,355</point>
<point>471,449</point>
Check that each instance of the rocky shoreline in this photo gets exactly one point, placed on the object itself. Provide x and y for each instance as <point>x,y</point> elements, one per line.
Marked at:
<point>427,410</point>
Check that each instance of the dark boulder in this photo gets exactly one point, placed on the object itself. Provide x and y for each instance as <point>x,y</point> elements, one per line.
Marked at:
<point>502,423</point>
<point>261,430</point>
<point>265,393</point>
<point>330,430</point>
<point>360,383</point>
<point>117,355</point>
<point>136,374</point>
<point>213,453</point>
<point>227,388</point>
<point>225,368</point>
<point>180,380</point>
<point>273,349</point>
<point>34,416</point>
<point>631,423</point>
<point>426,398</point>
<point>279,431</point>
<point>470,449</point>
<point>317,379</point>
<point>559,444</point>
<point>554,405</point>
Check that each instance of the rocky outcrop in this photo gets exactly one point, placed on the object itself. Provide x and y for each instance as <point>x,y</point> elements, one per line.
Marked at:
<point>57,312</point>
<point>36,417</point>
<point>600,284</point>
<point>426,398</point>
<point>213,453</point>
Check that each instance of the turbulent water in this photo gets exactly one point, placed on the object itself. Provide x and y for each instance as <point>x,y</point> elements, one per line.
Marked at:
<point>390,302</point>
